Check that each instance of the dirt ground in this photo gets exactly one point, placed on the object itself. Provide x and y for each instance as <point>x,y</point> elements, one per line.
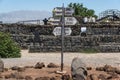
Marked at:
<point>28,60</point>
<point>30,71</point>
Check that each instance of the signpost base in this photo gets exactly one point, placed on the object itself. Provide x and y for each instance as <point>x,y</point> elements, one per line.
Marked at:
<point>61,72</point>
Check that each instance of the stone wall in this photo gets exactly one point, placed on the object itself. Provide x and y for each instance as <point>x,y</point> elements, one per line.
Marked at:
<point>36,38</point>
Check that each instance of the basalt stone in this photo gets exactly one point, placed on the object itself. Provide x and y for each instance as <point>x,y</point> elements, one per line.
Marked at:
<point>28,78</point>
<point>21,69</point>
<point>109,68</point>
<point>16,75</point>
<point>102,77</point>
<point>66,77</point>
<point>7,76</point>
<point>39,65</point>
<point>89,68</point>
<point>52,65</point>
<point>6,69</point>
<point>42,78</point>
<point>94,77</point>
<point>100,68</point>
<point>117,71</point>
<point>14,68</point>
<point>78,69</point>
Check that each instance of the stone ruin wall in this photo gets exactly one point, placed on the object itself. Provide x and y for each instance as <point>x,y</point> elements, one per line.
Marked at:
<point>104,38</point>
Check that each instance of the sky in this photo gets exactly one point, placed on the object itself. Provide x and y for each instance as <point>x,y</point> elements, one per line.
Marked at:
<point>48,5</point>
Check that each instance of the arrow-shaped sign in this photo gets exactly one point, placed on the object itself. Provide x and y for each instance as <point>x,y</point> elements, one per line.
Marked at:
<point>70,21</point>
<point>57,31</point>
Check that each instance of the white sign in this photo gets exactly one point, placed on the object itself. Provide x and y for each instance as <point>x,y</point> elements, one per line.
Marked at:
<point>83,29</point>
<point>70,21</point>
<point>57,31</point>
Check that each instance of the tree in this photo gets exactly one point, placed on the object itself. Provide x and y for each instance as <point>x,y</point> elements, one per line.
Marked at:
<point>82,11</point>
<point>8,48</point>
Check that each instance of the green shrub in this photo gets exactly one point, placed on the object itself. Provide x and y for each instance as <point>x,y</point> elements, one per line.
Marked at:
<point>8,48</point>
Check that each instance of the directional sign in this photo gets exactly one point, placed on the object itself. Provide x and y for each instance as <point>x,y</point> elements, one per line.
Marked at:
<point>57,31</point>
<point>70,21</point>
<point>83,29</point>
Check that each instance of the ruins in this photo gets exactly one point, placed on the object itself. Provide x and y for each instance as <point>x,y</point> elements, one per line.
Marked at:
<point>101,36</point>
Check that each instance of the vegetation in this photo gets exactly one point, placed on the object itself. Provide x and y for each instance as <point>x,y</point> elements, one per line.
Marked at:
<point>8,48</point>
<point>82,11</point>
<point>89,50</point>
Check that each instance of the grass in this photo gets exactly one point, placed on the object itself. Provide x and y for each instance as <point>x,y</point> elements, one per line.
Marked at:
<point>89,50</point>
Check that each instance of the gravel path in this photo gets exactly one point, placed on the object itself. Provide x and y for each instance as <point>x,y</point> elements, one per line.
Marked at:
<point>30,59</point>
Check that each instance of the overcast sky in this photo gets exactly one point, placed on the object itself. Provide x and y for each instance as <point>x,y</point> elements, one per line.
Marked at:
<point>48,5</point>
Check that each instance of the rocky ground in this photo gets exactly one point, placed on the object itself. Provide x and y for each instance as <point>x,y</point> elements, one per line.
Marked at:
<point>34,66</point>
<point>40,71</point>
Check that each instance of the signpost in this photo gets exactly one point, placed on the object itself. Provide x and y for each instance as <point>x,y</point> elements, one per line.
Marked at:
<point>64,31</point>
<point>57,31</point>
<point>70,21</point>
<point>62,36</point>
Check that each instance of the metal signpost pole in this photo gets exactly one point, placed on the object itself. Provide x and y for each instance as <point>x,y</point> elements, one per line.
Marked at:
<point>62,36</point>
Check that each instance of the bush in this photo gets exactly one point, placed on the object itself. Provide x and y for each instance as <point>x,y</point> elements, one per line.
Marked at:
<point>8,48</point>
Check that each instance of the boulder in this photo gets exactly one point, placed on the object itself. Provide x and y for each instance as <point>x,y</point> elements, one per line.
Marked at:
<point>39,65</point>
<point>78,69</point>
<point>7,76</point>
<point>16,75</point>
<point>52,65</point>
<point>21,69</point>
<point>109,68</point>
<point>99,68</point>
<point>1,66</point>
<point>94,77</point>
<point>66,77</point>
<point>28,78</point>
<point>117,71</point>
<point>42,78</point>
<point>89,68</point>
<point>14,68</point>
<point>102,77</point>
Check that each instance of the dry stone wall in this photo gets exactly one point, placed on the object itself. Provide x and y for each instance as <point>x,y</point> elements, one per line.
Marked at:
<point>36,38</point>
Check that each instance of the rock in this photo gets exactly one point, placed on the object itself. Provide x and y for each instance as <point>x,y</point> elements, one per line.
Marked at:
<point>88,78</point>
<point>52,65</point>
<point>53,78</point>
<point>1,66</point>
<point>1,76</point>
<point>42,78</point>
<point>109,68</point>
<point>14,68</point>
<point>66,77</point>
<point>39,65</point>
<point>28,78</point>
<point>21,69</point>
<point>78,69</point>
<point>113,76</point>
<point>117,71</point>
<point>100,68</point>
<point>94,77</point>
<point>102,77</point>
<point>89,68</point>
<point>16,75</point>
<point>7,76</point>
<point>6,69</point>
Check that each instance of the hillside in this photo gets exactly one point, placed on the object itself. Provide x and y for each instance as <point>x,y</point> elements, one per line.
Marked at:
<point>15,16</point>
